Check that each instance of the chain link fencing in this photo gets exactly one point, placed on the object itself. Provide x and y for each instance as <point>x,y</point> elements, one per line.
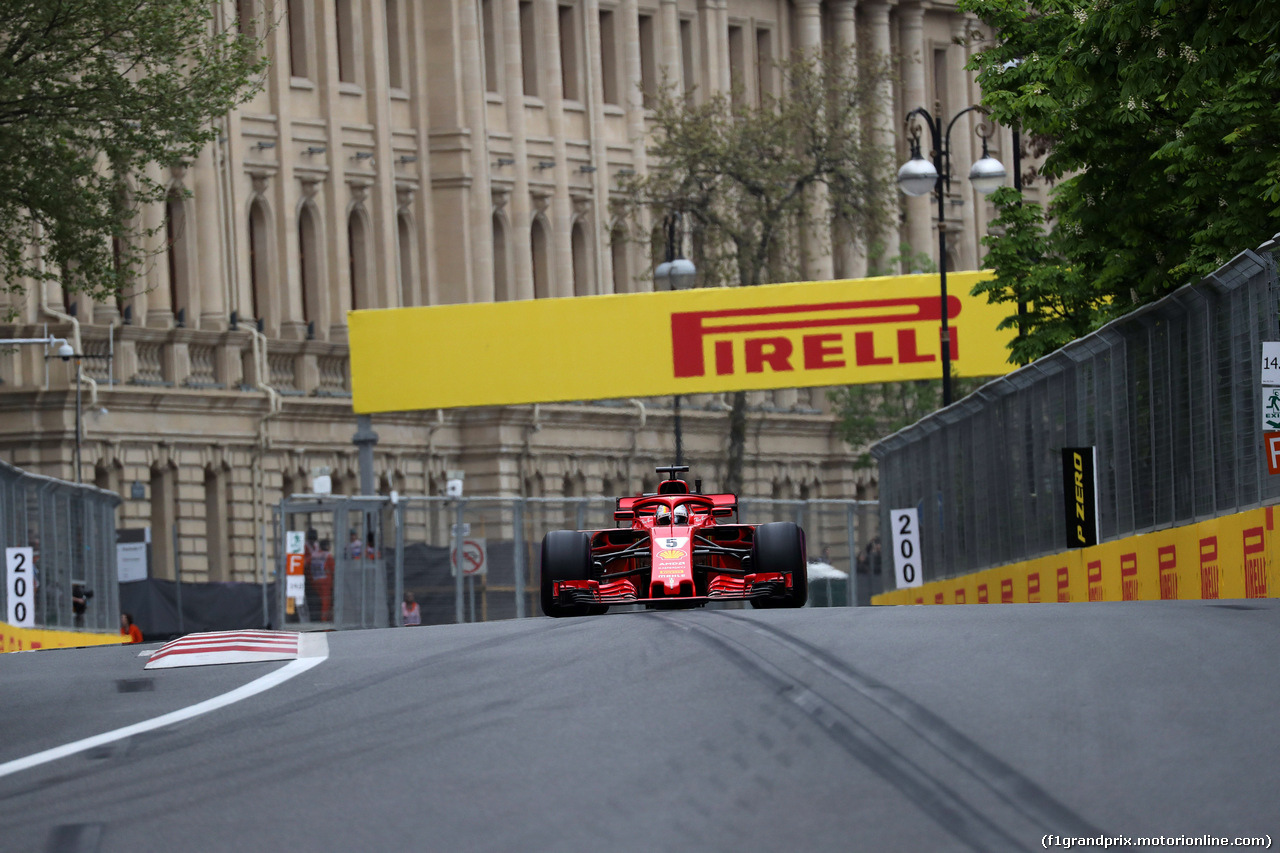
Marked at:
<point>1170,396</point>
<point>71,530</point>
<point>363,557</point>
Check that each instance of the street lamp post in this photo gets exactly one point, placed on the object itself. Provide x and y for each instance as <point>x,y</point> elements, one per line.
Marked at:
<point>675,273</point>
<point>919,176</point>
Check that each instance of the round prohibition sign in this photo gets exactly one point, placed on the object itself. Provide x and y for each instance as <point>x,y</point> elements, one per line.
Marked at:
<point>472,557</point>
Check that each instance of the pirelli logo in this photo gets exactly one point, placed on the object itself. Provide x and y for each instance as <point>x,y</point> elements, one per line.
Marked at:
<point>1167,563</point>
<point>1093,574</point>
<point>1209,575</point>
<point>788,338</point>
<point>1129,577</point>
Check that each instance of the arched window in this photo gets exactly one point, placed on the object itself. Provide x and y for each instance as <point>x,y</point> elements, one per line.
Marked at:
<point>246,17</point>
<point>395,46</point>
<point>501,283</point>
<point>404,259</point>
<point>176,240</point>
<point>541,260</point>
<point>621,261</point>
<point>582,272</point>
<point>296,12</point>
<point>348,61</point>
<point>309,267</point>
<point>259,268</point>
<point>359,254</point>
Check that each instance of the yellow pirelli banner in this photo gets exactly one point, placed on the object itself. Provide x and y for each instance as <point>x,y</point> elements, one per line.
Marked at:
<point>1232,556</point>
<point>14,639</point>
<point>697,341</point>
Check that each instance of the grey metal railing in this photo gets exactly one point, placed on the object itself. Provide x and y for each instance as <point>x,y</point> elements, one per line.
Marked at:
<point>1170,396</point>
<point>72,533</point>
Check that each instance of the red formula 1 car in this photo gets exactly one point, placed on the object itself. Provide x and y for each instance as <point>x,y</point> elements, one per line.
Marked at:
<point>673,552</point>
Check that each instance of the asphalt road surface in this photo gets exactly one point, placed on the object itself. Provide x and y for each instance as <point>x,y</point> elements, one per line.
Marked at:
<point>899,729</point>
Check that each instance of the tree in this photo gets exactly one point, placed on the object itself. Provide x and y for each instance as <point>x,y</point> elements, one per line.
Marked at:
<point>1163,118</point>
<point>871,411</point>
<point>92,92</point>
<point>758,183</point>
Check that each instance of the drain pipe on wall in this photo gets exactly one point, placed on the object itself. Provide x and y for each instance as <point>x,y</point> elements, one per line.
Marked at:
<point>430,448</point>
<point>273,409</point>
<point>526,458</point>
<point>635,435</point>
<point>75,334</point>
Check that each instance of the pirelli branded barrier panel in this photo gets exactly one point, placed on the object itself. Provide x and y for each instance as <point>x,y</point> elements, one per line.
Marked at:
<point>705,340</point>
<point>1232,556</point>
<point>27,639</point>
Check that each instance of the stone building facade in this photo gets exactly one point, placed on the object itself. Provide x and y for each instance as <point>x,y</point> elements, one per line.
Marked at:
<point>418,152</point>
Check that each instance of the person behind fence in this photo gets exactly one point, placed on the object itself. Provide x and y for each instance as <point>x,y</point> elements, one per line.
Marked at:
<point>411,611</point>
<point>80,596</point>
<point>320,570</point>
<point>128,629</point>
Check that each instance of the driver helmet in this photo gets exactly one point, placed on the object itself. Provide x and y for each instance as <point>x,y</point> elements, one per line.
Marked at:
<point>682,514</point>
<point>664,515</point>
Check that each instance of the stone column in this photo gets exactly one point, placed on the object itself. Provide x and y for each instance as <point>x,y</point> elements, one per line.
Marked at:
<point>154,275</point>
<point>880,44</point>
<point>963,145</point>
<point>481,197</point>
<point>597,217</point>
<point>208,277</point>
<point>817,253</point>
<point>712,46</point>
<point>671,63</point>
<point>848,248</point>
<point>920,231</point>
<point>722,27</point>
<point>561,208</point>
<point>385,286</point>
<point>808,24</point>
<point>634,104</point>
<point>521,206</point>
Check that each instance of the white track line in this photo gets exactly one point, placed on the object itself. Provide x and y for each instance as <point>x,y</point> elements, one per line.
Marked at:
<point>253,688</point>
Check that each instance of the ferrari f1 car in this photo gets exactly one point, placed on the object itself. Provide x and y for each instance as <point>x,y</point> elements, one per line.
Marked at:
<point>673,549</point>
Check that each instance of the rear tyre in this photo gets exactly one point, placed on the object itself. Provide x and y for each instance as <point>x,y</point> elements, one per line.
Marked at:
<point>779,547</point>
<point>566,556</point>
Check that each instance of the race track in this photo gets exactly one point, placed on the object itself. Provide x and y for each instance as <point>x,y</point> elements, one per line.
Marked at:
<point>899,729</point>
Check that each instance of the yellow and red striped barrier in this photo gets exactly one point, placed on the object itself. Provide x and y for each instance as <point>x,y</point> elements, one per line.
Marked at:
<point>1232,556</point>
<point>26,639</point>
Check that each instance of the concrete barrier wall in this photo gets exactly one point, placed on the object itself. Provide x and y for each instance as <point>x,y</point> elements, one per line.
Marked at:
<point>1232,556</point>
<point>26,639</point>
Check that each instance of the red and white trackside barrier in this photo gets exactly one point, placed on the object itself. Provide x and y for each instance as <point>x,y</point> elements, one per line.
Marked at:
<point>221,647</point>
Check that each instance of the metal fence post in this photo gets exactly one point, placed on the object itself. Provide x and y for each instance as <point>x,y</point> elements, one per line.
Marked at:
<point>177,577</point>
<point>455,558</point>
<point>517,513</point>
<point>262,564</point>
<point>852,590</point>
<point>396,608</point>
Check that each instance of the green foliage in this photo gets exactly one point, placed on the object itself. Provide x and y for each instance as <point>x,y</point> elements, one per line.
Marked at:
<point>1162,121</point>
<point>91,94</point>
<point>871,412</point>
<point>746,175</point>
<point>908,258</point>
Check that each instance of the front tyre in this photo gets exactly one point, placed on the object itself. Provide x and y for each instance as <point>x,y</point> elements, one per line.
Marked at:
<point>779,547</point>
<point>566,556</point>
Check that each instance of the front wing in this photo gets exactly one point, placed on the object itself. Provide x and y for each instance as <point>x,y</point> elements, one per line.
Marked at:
<point>721,588</point>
